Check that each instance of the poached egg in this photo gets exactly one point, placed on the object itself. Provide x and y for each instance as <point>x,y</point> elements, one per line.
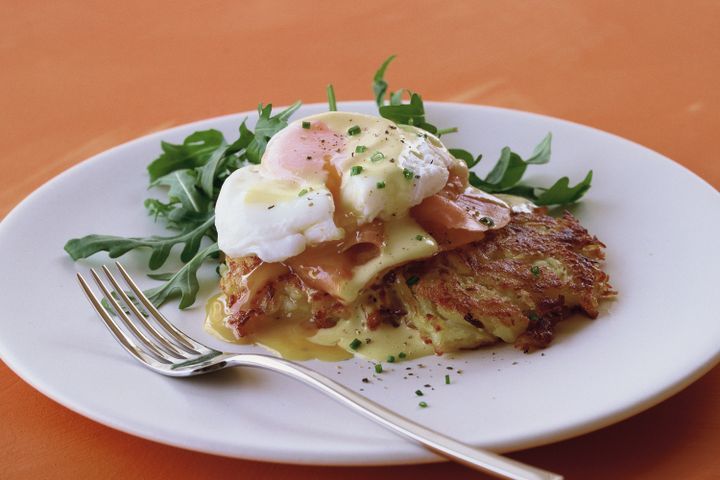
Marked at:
<point>324,175</point>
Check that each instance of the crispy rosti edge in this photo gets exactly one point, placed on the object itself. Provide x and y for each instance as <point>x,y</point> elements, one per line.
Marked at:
<point>490,285</point>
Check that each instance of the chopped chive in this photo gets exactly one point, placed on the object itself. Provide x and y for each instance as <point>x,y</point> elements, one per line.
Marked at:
<point>380,184</point>
<point>408,174</point>
<point>355,344</point>
<point>423,404</point>
<point>302,192</point>
<point>354,130</point>
<point>360,149</point>
<point>390,359</point>
<point>419,393</point>
<point>487,221</point>
<point>447,379</point>
<point>378,368</point>
<point>356,170</point>
<point>402,355</point>
<point>535,270</point>
<point>419,238</point>
<point>332,106</point>
<point>377,156</point>
<point>444,131</point>
<point>412,280</point>
<point>533,317</point>
<point>306,125</point>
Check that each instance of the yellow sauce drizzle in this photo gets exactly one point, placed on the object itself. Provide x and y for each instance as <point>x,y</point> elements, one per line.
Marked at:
<point>287,337</point>
<point>290,339</point>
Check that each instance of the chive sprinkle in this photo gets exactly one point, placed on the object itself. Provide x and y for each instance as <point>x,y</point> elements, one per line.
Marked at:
<point>332,106</point>
<point>419,393</point>
<point>408,174</point>
<point>390,359</point>
<point>354,130</point>
<point>355,344</point>
<point>445,131</point>
<point>402,355</point>
<point>423,404</point>
<point>412,280</point>
<point>356,170</point>
<point>378,368</point>
<point>447,379</point>
<point>419,238</point>
<point>535,270</point>
<point>302,192</point>
<point>533,317</point>
<point>306,125</point>
<point>360,149</point>
<point>487,221</point>
<point>377,156</point>
<point>380,184</point>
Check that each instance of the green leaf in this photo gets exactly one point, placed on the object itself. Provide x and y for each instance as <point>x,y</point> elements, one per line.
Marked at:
<point>412,113</point>
<point>465,156</point>
<point>224,160</point>
<point>510,167</point>
<point>184,282</point>
<point>180,218</point>
<point>174,215</point>
<point>195,150</point>
<point>379,84</point>
<point>266,127</point>
<point>396,97</point>
<point>478,182</point>
<point>561,193</point>
<point>508,170</point>
<point>246,136</point>
<point>182,189</point>
<point>161,246</point>
<point>157,209</point>
<point>161,276</point>
<point>211,169</point>
<point>526,191</point>
<point>542,151</point>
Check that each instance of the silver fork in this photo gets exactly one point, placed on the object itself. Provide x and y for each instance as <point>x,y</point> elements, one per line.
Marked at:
<point>166,350</point>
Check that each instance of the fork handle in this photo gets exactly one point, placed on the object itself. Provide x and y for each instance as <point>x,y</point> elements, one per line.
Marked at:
<point>475,458</point>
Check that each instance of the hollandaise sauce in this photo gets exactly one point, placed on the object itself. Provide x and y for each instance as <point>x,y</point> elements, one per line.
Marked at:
<point>292,339</point>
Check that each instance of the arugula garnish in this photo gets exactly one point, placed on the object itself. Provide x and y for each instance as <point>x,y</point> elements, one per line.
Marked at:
<point>412,113</point>
<point>510,168</point>
<point>560,193</point>
<point>83,247</point>
<point>193,152</point>
<point>380,86</point>
<point>266,127</point>
<point>184,282</point>
<point>192,172</point>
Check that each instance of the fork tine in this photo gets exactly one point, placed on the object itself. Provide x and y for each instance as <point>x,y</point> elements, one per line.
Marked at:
<point>116,332</point>
<point>165,343</point>
<point>169,327</point>
<point>126,320</point>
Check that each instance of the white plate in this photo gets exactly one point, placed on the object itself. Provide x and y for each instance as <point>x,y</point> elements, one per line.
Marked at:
<point>660,222</point>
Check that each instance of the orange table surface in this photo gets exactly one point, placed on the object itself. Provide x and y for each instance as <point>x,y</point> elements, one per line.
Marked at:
<point>80,77</point>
